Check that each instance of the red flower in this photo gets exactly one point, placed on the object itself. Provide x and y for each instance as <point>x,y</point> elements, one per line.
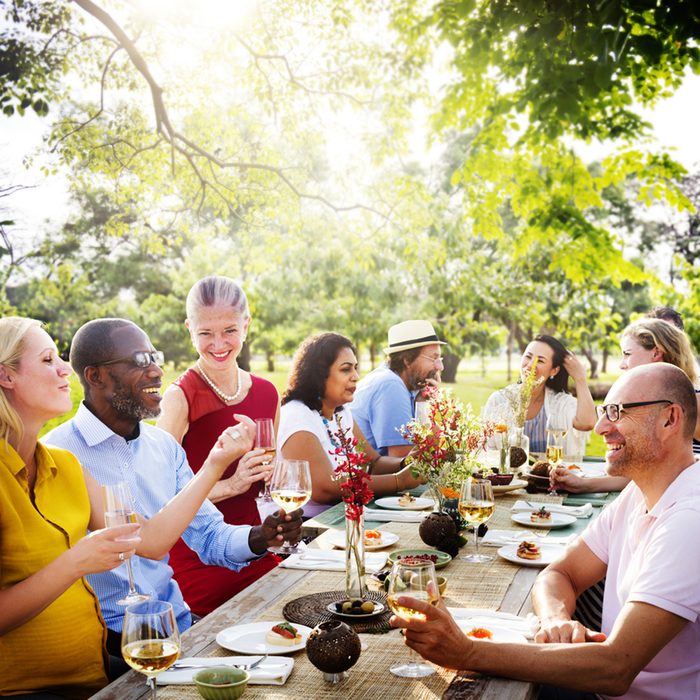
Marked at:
<point>354,488</point>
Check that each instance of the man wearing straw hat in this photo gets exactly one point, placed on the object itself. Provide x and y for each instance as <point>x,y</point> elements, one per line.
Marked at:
<point>385,398</point>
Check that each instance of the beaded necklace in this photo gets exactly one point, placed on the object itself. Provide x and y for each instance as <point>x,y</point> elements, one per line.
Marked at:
<point>331,435</point>
<point>228,398</point>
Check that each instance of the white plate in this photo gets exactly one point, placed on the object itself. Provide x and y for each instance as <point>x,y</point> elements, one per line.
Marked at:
<point>378,608</point>
<point>514,485</point>
<point>250,638</point>
<point>392,502</point>
<point>550,553</point>
<point>558,520</point>
<point>337,539</point>
<point>500,634</point>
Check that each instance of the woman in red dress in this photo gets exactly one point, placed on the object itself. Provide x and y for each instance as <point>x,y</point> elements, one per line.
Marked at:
<point>196,408</point>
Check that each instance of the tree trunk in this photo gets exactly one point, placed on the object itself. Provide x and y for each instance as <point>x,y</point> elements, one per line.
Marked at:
<point>604,365</point>
<point>372,355</point>
<point>270,356</point>
<point>450,362</point>
<point>509,352</point>
<point>588,352</point>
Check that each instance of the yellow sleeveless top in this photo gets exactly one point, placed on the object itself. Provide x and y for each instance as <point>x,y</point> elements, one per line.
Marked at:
<point>62,649</point>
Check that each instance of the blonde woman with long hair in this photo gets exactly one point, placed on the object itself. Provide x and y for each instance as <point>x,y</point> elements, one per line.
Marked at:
<point>644,341</point>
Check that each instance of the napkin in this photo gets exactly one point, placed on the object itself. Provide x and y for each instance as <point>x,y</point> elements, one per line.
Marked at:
<point>395,516</point>
<point>331,560</point>
<point>583,511</point>
<point>497,538</point>
<point>274,670</point>
<point>480,617</point>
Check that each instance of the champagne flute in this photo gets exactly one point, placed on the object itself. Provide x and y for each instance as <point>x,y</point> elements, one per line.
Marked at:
<point>119,510</point>
<point>476,506</point>
<point>415,578</point>
<point>150,639</point>
<point>290,488</point>
<point>265,438</point>
<point>556,432</point>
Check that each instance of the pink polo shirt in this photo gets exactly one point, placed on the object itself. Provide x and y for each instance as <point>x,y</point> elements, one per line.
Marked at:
<point>654,558</point>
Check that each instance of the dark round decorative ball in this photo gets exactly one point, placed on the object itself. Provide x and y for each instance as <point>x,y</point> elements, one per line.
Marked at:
<point>450,546</point>
<point>518,457</point>
<point>333,647</point>
<point>436,528</point>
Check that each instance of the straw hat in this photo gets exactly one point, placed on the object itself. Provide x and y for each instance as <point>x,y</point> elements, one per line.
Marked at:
<point>411,334</point>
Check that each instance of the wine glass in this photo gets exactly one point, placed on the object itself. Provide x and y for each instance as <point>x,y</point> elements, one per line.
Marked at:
<point>414,578</point>
<point>423,409</point>
<point>265,438</point>
<point>556,432</point>
<point>150,639</point>
<point>476,506</point>
<point>119,510</point>
<point>290,488</point>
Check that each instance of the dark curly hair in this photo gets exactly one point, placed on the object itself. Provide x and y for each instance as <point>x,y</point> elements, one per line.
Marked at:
<point>311,366</point>
<point>560,381</point>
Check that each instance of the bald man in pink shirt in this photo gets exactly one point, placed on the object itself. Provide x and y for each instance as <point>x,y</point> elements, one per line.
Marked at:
<point>647,543</point>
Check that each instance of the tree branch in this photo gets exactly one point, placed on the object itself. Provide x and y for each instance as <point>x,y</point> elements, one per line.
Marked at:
<point>186,147</point>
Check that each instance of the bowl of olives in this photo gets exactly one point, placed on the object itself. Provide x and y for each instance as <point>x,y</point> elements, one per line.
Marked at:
<point>355,608</point>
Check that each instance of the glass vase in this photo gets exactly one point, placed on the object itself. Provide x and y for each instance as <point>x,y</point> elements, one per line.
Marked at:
<point>519,449</point>
<point>355,586</point>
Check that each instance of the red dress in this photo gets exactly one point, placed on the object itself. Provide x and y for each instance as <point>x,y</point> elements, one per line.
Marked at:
<point>205,587</point>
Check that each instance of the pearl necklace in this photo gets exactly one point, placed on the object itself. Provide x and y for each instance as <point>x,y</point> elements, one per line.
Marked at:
<point>228,398</point>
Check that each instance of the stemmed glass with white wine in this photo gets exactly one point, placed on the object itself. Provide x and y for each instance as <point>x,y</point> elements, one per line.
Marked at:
<point>556,433</point>
<point>119,510</point>
<point>476,505</point>
<point>265,438</point>
<point>290,488</point>
<point>414,578</point>
<point>150,639</point>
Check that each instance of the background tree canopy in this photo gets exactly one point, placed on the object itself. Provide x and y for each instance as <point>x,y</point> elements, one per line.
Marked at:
<point>355,164</point>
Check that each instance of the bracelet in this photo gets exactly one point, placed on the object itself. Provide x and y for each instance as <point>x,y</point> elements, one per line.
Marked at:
<point>396,478</point>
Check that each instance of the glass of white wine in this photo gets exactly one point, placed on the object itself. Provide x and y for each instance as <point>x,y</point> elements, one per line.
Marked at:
<point>265,438</point>
<point>476,505</point>
<point>556,433</point>
<point>414,578</point>
<point>119,510</point>
<point>290,488</point>
<point>150,639</point>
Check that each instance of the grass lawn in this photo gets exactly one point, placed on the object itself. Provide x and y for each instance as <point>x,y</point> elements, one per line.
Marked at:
<point>471,387</point>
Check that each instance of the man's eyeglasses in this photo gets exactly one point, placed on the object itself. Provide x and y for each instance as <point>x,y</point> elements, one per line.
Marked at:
<point>435,360</point>
<point>141,359</point>
<point>613,411</point>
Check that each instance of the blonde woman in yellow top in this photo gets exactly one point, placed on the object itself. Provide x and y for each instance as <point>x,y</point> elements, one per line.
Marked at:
<point>51,632</point>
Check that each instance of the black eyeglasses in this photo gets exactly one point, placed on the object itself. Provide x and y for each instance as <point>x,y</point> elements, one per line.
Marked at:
<point>613,411</point>
<point>141,359</point>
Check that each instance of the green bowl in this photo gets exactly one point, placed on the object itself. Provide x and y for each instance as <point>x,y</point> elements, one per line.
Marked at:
<point>221,682</point>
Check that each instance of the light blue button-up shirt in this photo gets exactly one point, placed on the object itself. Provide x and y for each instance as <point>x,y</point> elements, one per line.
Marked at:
<point>155,467</point>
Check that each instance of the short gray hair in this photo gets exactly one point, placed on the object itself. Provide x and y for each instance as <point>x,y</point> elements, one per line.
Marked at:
<point>216,290</point>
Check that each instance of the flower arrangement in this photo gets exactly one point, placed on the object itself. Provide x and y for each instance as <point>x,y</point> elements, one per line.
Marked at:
<point>447,443</point>
<point>351,471</point>
<point>519,395</point>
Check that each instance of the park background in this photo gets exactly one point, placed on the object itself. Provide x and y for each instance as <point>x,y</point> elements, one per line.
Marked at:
<point>492,167</point>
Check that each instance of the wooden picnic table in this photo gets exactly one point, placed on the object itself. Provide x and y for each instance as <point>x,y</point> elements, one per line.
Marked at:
<point>497,585</point>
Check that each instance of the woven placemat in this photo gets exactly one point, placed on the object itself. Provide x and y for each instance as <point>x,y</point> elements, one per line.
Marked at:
<point>310,610</point>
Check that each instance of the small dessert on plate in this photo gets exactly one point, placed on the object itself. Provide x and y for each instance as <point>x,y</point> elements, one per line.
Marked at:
<point>405,499</point>
<point>528,550</point>
<point>372,537</point>
<point>480,633</point>
<point>541,516</point>
<point>283,634</point>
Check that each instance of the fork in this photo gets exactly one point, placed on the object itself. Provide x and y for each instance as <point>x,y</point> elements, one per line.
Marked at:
<point>244,667</point>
